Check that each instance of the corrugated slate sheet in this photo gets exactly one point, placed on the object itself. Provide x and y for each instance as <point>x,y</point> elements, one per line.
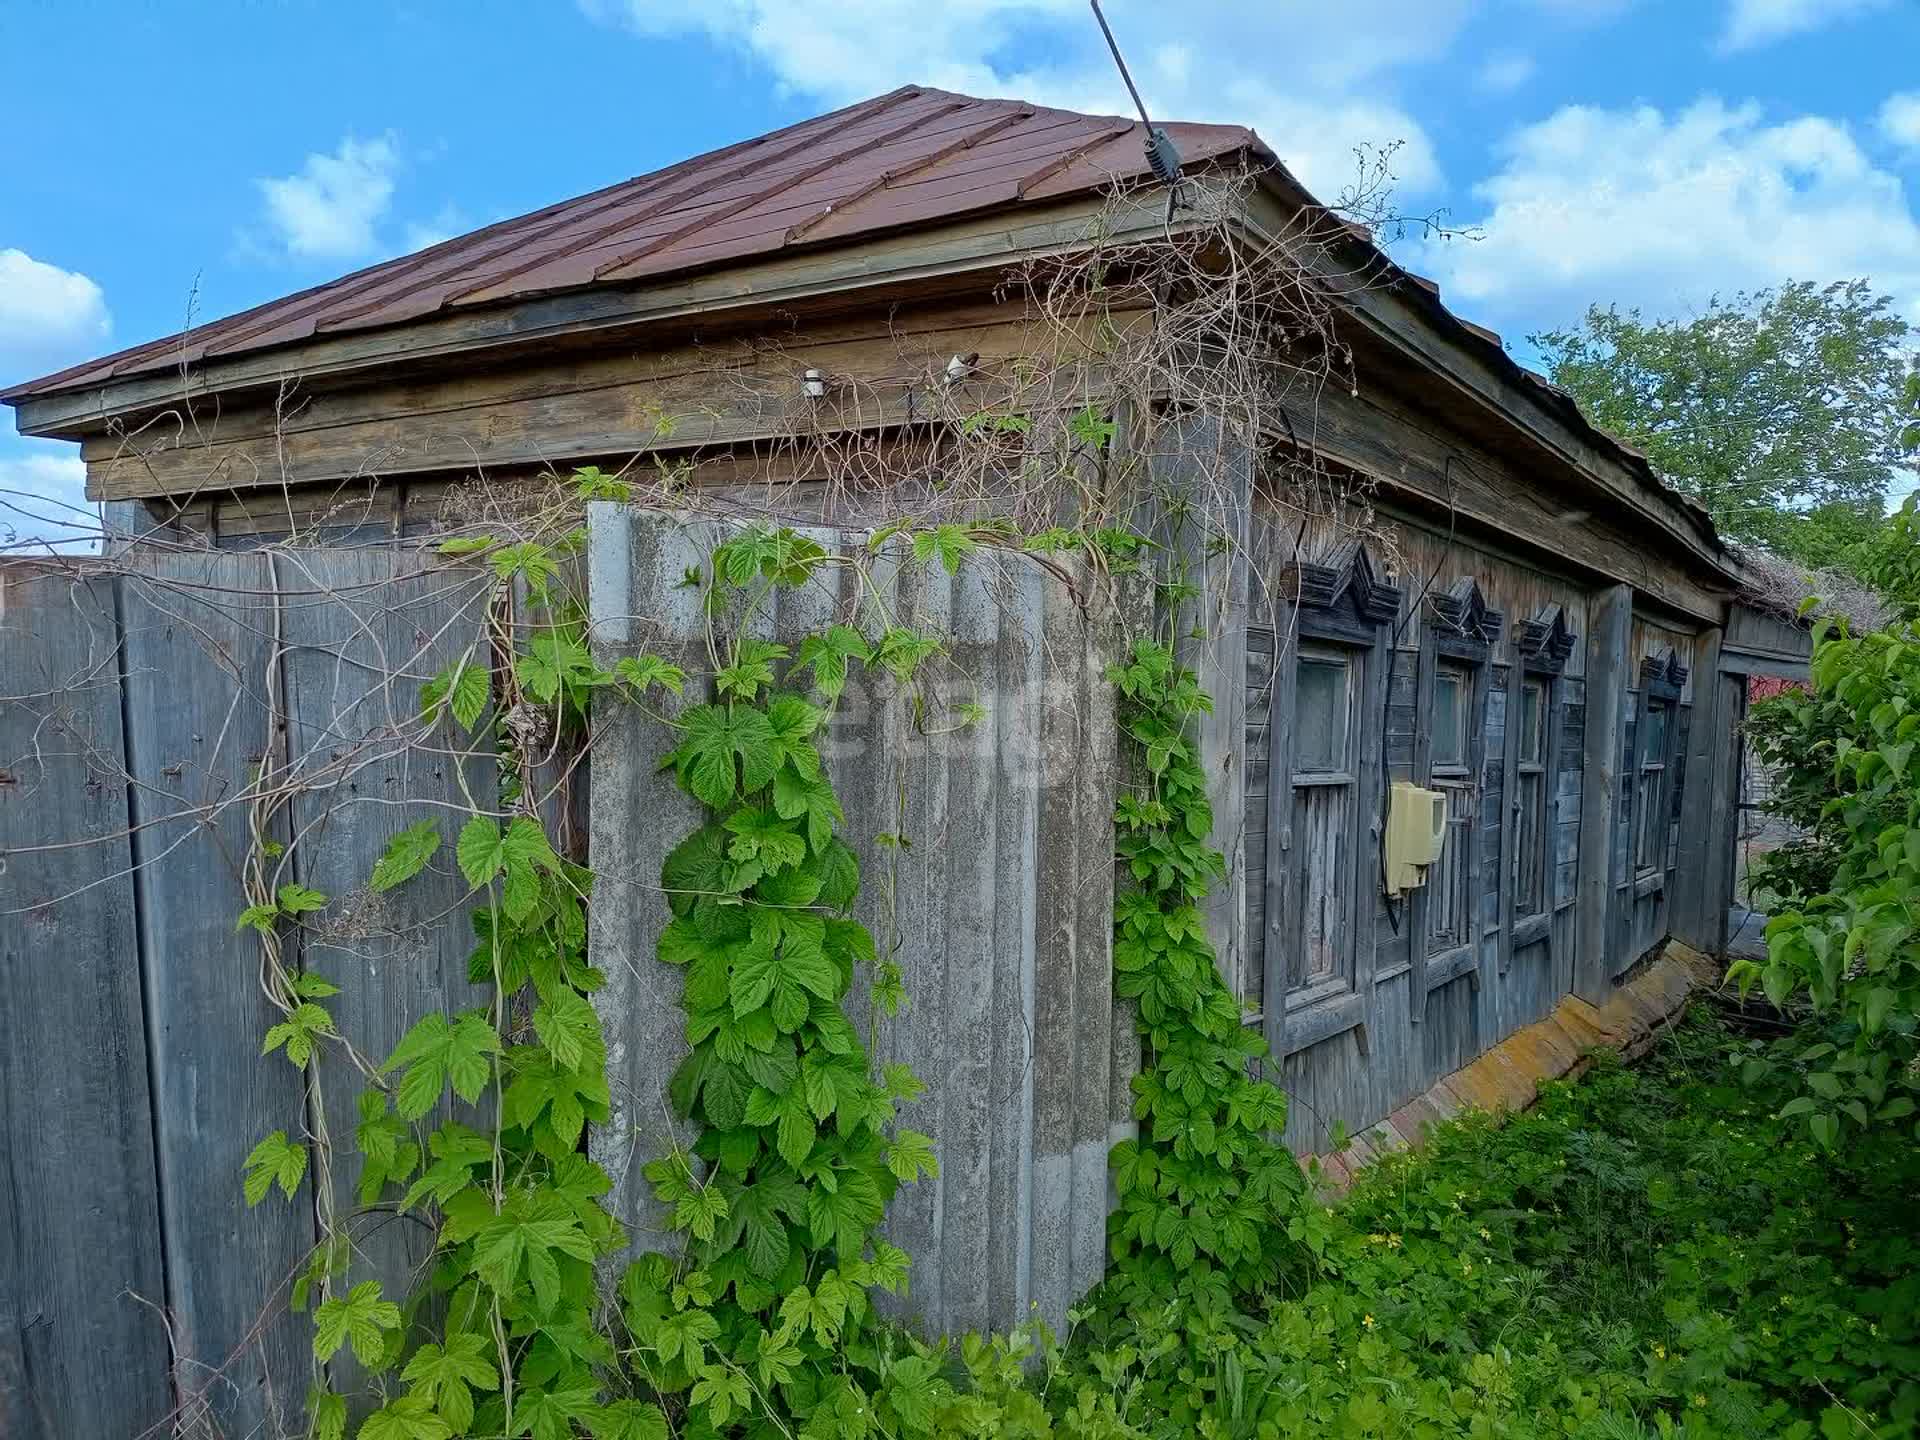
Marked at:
<point>912,156</point>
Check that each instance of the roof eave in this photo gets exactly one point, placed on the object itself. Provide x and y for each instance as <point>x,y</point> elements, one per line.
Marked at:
<point>1486,345</point>
<point>983,242</point>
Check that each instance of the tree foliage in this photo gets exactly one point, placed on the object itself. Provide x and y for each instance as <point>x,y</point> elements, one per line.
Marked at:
<point>1779,410</point>
<point>1846,934</point>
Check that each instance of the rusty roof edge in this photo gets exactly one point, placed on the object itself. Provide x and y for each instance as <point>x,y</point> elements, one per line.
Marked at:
<point>519,318</point>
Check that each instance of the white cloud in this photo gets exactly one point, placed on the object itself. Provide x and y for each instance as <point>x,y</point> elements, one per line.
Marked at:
<point>43,502</point>
<point>1642,207</point>
<point>1760,22</point>
<point>49,317</point>
<point>331,208</point>
<point>1900,120</point>
<point>1501,74</point>
<point>1207,60</point>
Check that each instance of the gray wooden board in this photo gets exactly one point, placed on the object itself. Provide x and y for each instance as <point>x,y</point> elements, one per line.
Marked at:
<point>199,645</point>
<point>637,603</point>
<point>364,629</point>
<point>79,1207</point>
<point>998,907</point>
<point>1610,617</point>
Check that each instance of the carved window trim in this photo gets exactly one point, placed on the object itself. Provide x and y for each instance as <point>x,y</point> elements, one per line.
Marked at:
<point>1544,643</point>
<point>1344,602</point>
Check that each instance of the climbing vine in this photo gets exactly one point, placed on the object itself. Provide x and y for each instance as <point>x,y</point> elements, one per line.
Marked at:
<point>474,1123</point>
<point>1208,1197</point>
<point>764,1314</point>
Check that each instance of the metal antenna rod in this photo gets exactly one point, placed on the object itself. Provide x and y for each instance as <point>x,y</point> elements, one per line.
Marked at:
<point>1120,60</point>
<point>1163,158</point>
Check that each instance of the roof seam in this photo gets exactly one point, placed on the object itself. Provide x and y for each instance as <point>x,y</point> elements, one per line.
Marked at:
<point>1062,162</point>
<point>879,105</point>
<point>608,270</point>
<point>888,177</point>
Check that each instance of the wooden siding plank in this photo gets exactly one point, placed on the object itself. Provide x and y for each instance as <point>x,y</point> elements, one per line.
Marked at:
<point>200,648</point>
<point>364,630</point>
<point>79,1203</point>
<point>1606,688</point>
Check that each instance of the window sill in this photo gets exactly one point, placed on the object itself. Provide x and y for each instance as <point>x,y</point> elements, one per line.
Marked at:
<point>1531,929</point>
<point>1450,965</point>
<point>1322,1020</point>
<point>1652,882</point>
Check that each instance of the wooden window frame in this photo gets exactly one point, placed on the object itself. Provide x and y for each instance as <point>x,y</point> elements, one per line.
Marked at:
<point>1345,607</point>
<point>1537,769</point>
<point>1460,629</point>
<point>1662,684</point>
<point>1542,647</point>
<point>1457,778</point>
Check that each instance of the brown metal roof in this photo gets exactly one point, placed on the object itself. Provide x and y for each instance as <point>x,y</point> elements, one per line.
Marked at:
<point>912,156</point>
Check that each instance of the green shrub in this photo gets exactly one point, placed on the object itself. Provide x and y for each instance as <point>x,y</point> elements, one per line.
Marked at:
<point>1647,1252</point>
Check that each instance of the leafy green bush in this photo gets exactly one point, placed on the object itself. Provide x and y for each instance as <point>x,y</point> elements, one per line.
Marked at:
<point>1648,1252</point>
<point>1851,940</point>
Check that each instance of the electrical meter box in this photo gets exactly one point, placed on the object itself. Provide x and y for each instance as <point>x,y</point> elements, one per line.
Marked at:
<point>1416,829</point>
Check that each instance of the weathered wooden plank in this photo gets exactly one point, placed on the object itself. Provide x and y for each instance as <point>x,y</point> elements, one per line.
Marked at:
<point>364,629</point>
<point>1017,670</point>
<point>1201,454</point>
<point>201,656</point>
<point>1489,499</point>
<point>961,1000</point>
<point>1086,643</point>
<point>79,1206</point>
<point>636,603</point>
<point>611,405</point>
<point>1606,684</point>
<point>998,906</point>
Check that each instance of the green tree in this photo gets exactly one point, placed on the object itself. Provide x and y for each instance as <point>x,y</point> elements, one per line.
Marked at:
<point>1780,410</point>
<point>1909,414</point>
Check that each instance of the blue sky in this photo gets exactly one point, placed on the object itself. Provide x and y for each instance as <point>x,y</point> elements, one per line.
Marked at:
<point>201,157</point>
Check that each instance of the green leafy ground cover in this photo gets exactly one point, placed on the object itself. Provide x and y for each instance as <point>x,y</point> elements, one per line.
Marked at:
<point>1648,1252</point>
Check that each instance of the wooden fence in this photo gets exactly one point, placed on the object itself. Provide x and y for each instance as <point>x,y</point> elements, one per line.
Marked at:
<point>140,712</point>
<point>147,709</point>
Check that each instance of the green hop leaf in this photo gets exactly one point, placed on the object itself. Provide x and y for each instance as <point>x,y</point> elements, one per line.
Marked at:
<point>406,855</point>
<point>722,750</point>
<point>299,900</point>
<point>911,1156</point>
<point>438,1050</point>
<point>643,672</point>
<point>275,1160</point>
<point>361,1317</point>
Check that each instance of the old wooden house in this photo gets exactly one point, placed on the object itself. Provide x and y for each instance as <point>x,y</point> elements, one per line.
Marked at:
<point>1530,625</point>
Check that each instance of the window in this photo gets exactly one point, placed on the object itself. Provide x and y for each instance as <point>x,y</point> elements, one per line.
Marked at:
<point>1262,694</point>
<point>1451,688</point>
<point>1530,799</point>
<point>1320,711</point>
<point>1448,924</point>
<point>1325,806</point>
<point>1649,847</point>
